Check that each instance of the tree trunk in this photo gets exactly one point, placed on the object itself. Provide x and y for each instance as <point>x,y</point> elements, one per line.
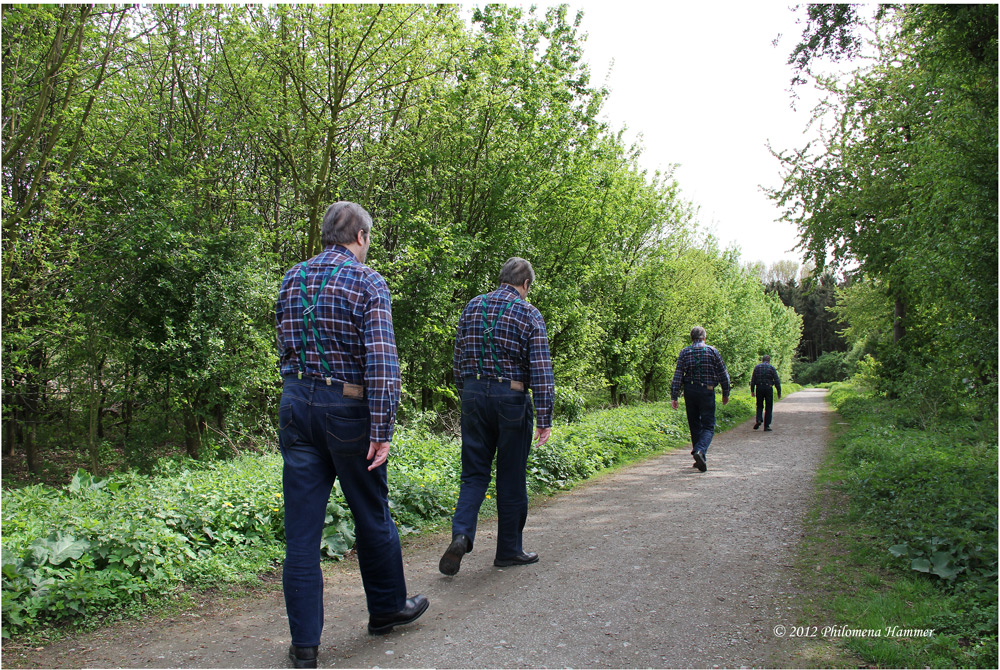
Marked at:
<point>898,328</point>
<point>192,438</point>
<point>93,446</point>
<point>30,449</point>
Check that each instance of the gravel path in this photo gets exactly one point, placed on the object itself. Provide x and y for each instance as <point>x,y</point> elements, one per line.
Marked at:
<point>656,565</point>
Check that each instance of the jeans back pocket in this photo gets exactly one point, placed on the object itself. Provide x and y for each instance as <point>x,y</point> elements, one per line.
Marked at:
<point>346,435</point>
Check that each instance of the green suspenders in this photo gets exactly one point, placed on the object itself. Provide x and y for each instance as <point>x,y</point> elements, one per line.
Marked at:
<point>488,335</point>
<point>309,318</point>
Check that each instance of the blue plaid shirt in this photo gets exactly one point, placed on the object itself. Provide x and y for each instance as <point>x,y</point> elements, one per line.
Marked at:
<point>519,341</point>
<point>354,319</point>
<point>764,375</point>
<point>700,364</point>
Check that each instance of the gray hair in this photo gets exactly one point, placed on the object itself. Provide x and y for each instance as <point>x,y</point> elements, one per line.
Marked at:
<point>698,334</point>
<point>766,358</point>
<point>516,271</point>
<point>342,222</point>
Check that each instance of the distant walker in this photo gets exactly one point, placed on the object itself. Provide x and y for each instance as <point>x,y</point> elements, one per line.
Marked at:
<point>762,380</point>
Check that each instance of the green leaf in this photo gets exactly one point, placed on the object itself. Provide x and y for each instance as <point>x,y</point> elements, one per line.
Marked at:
<point>899,550</point>
<point>58,548</point>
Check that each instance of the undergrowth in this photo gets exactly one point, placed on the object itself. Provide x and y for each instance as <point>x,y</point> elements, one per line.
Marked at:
<point>914,541</point>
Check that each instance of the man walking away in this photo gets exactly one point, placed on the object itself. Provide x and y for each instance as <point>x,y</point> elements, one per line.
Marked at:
<point>341,387</point>
<point>501,351</point>
<point>699,370</point>
<point>763,378</point>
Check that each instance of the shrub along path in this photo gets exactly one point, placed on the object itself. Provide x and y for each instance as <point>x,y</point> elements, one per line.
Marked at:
<point>656,565</point>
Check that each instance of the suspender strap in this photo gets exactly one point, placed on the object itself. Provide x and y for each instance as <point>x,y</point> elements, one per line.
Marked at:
<point>698,353</point>
<point>309,322</point>
<point>488,340</point>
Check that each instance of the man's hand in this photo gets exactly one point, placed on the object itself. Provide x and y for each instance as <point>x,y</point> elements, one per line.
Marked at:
<point>751,394</point>
<point>379,451</point>
<point>725,400</point>
<point>542,436</point>
<point>673,403</point>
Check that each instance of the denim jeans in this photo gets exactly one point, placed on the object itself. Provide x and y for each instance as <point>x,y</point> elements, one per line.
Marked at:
<point>765,405</point>
<point>496,421</point>
<point>699,403</point>
<point>323,436</point>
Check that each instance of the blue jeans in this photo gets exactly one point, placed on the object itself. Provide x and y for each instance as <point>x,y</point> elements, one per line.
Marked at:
<point>323,436</point>
<point>765,405</point>
<point>496,421</point>
<point>699,403</point>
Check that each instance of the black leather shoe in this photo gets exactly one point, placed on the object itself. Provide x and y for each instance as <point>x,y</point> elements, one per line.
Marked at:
<point>382,624</point>
<point>302,657</point>
<point>699,462</point>
<point>524,558</point>
<point>452,558</point>
<point>767,429</point>
<point>757,425</point>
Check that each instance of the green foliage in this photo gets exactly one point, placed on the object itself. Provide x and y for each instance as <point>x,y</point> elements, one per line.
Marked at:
<point>569,405</point>
<point>831,366</point>
<point>902,187</point>
<point>101,544</point>
<point>145,323</point>
<point>932,494</point>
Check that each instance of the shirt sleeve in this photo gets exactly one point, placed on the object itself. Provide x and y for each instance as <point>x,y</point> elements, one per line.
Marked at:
<point>382,378</point>
<point>543,387</point>
<point>723,374</point>
<point>675,385</point>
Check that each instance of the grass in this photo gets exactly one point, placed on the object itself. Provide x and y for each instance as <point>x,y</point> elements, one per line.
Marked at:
<point>851,579</point>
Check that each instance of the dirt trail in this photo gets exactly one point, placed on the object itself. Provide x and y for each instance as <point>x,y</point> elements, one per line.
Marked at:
<point>656,565</point>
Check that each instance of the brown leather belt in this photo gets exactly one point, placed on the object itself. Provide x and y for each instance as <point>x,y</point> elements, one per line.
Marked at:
<point>514,385</point>
<point>347,390</point>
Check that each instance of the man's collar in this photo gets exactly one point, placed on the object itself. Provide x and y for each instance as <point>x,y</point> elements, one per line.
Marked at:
<point>340,249</point>
<point>509,289</point>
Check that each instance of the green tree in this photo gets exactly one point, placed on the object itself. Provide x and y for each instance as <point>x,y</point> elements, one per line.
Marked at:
<point>905,183</point>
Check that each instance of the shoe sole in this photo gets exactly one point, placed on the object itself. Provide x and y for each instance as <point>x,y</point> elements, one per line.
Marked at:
<point>387,628</point>
<point>699,462</point>
<point>451,561</point>
<point>508,563</point>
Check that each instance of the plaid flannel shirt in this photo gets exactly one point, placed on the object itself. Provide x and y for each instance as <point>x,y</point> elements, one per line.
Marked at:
<point>354,318</point>
<point>700,364</point>
<point>521,344</point>
<point>764,375</point>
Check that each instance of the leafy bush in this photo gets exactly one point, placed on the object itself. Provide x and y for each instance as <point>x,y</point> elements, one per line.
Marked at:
<point>98,545</point>
<point>569,405</point>
<point>831,366</point>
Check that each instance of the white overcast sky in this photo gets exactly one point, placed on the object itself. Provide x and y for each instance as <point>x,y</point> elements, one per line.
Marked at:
<point>704,86</point>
